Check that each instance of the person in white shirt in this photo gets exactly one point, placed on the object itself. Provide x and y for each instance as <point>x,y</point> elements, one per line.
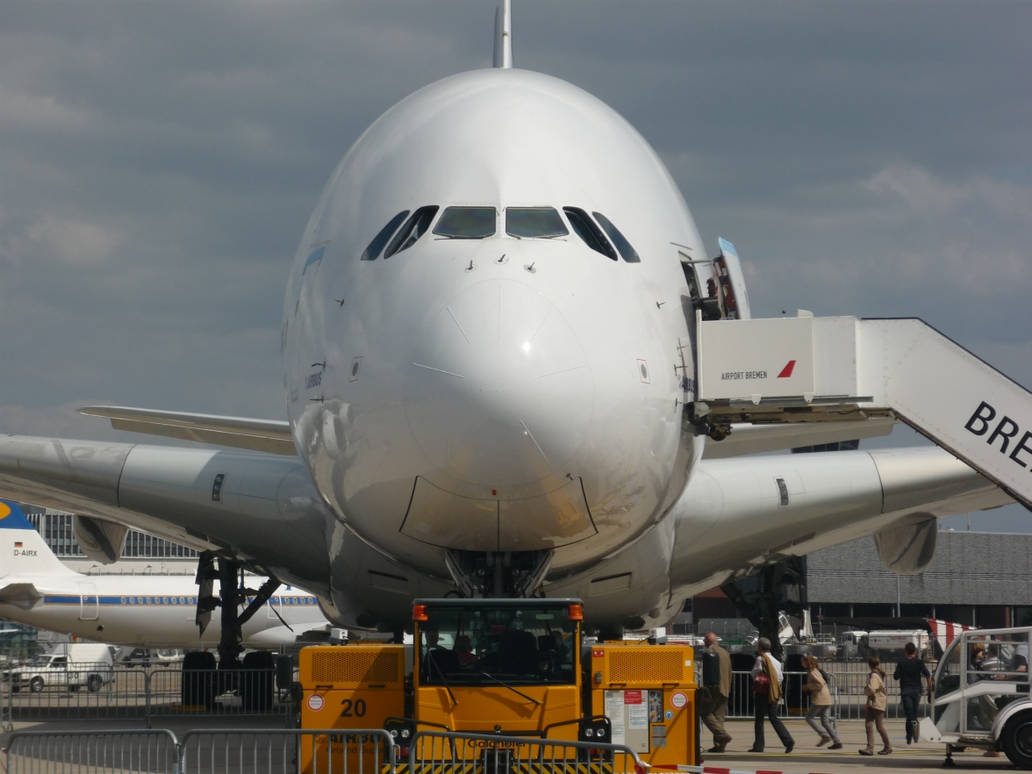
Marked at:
<point>766,700</point>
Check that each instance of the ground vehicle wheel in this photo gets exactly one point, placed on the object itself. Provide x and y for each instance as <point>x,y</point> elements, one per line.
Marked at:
<point>1017,740</point>
<point>93,683</point>
<point>36,684</point>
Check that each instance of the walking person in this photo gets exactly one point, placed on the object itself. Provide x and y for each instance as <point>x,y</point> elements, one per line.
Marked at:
<point>820,703</point>
<point>716,679</point>
<point>909,672</point>
<point>767,677</point>
<point>874,716</point>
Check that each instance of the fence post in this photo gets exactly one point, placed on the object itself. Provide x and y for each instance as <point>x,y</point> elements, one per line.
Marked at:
<point>8,724</point>
<point>179,766</point>
<point>147,697</point>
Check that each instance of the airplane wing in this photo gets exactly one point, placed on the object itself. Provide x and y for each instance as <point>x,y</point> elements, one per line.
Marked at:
<point>753,439</point>
<point>261,508</point>
<point>746,512</point>
<point>264,435</point>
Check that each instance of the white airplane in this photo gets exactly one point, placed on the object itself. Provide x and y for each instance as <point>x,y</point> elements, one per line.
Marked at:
<point>153,610</point>
<point>487,350</point>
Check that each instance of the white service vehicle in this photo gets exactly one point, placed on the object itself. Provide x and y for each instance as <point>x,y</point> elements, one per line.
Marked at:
<point>983,700</point>
<point>891,642</point>
<point>70,666</point>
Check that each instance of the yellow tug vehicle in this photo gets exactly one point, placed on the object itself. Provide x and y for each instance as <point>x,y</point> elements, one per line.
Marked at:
<point>499,685</point>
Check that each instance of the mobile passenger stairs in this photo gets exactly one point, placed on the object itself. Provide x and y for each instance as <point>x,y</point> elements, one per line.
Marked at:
<point>834,369</point>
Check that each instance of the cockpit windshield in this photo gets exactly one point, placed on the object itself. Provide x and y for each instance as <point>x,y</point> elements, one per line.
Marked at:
<point>523,642</point>
<point>534,222</point>
<point>372,252</point>
<point>588,231</point>
<point>414,228</point>
<point>466,222</point>
<point>627,251</point>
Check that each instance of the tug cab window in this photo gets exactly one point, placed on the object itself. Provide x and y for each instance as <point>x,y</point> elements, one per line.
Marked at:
<point>466,222</point>
<point>587,230</point>
<point>534,223</point>
<point>500,642</point>
<point>376,246</point>
<point>627,252</point>
<point>412,230</point>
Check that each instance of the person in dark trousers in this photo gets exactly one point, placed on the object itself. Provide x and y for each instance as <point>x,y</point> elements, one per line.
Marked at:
<point>874,713</point>
<point>716,677</point>
<point>909,672</point>
<point>766,700</point>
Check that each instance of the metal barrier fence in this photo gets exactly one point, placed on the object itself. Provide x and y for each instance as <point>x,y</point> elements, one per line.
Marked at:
<point>49,752</point>
<point>276,751</point>
<point>434,751</point>
<point>847,688</point>
<point>324,751</point>
<point>151,694</point>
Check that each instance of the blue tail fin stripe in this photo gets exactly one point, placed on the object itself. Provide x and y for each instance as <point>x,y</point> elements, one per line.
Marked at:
<point>12,516</point>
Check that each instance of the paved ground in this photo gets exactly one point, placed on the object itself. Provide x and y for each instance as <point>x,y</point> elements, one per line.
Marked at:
<point>807,757</point>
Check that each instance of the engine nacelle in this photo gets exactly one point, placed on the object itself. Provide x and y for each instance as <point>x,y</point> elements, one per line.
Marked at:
<point>908,546</point>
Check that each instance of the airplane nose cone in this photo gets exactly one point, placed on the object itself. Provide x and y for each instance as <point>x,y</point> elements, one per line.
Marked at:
<point>499,391</point>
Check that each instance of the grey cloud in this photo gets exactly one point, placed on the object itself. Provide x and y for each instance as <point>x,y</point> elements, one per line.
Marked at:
<point>160,160</point>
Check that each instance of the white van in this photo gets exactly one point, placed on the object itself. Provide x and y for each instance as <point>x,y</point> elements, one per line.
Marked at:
<point>69,665</point>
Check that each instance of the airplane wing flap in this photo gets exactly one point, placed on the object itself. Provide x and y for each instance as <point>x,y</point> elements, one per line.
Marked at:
<point>265,435</point>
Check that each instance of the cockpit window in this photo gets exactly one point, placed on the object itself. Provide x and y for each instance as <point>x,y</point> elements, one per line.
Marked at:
<point>466,222</point>
<point>414,228</point>
<point>376,246</point>
<point>627,252</point>
<point>589,232</point>
<point>534,222</point>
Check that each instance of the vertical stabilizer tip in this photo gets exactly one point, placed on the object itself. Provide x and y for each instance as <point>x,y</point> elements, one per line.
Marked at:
<point>503,35</point>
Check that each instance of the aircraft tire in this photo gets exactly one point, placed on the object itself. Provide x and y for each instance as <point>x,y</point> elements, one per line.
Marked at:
<point>1016,739</point>
<point>36,684</point>
<point>93,683</point>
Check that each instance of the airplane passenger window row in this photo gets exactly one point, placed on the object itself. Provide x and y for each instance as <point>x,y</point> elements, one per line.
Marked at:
<point>466,222</point>
<point>164,600</point>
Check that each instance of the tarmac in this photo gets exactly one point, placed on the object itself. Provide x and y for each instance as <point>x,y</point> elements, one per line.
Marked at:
<point>805,758</point>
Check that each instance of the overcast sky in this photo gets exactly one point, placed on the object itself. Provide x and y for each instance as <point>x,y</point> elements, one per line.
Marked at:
<point>158,162</point>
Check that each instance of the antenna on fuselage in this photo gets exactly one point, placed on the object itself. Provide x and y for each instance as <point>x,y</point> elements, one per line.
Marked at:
<point>503,35</point>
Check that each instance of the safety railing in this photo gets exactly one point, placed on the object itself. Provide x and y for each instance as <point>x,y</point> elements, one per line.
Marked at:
<point>277,751</point>
<point>306,751</point>
<point>436,751</point>
<point>86,752</point>
<point>150,695</point>
<point>847,688</point>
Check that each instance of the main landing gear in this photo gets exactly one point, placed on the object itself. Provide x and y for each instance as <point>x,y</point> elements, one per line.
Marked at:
<point>203,678</point>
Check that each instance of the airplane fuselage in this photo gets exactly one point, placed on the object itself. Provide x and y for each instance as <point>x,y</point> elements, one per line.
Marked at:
<point>156,611</point>
<point>497,392</point>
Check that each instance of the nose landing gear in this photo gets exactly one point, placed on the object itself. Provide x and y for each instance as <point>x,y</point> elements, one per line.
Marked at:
<point>498,573</point>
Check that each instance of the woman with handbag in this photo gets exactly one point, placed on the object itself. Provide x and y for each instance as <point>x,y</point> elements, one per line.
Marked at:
<point>767,677</point>
<point>874,715</point>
